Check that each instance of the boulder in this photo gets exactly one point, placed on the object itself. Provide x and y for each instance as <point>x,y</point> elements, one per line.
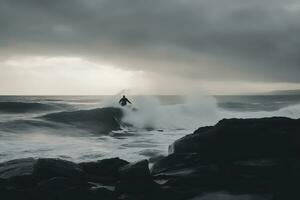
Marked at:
<point>28,172</point>
<point>46,168</point>
<point>135,180</point>
<point>66,188</point>
<point>104,168</point>
<point>174,162</point>
<point>14,194</point>
<point>243,138</point>
<point>135,170</point>
<point>18,172</point>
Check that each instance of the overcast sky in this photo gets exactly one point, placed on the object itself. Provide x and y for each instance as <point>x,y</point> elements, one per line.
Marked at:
<point>153,46</point>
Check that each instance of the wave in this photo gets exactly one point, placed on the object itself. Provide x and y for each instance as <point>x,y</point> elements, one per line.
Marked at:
<point>23,107</point>
<point>21,125</point>
<point>195,112</point>
<point>100,120</point>
<point>149,113</point>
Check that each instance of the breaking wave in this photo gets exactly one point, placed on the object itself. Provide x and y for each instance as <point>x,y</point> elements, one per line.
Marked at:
<point>149,113</point>
<point>100,120</point>
<point>196,111</point>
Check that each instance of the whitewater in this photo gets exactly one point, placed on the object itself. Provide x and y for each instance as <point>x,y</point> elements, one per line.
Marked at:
<point>85,128</point>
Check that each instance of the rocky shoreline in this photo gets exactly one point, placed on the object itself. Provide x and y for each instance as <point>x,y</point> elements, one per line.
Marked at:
<point>237,159</point>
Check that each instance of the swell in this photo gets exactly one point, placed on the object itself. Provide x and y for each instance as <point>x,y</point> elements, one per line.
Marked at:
<point>21,125</point>
<point>100,120</point>
<point>22,107</point>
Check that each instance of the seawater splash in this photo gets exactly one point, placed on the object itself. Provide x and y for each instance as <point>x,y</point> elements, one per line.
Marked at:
<point>148,112</point>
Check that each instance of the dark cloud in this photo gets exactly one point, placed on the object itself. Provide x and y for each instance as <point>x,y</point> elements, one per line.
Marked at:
<point>211,39</point>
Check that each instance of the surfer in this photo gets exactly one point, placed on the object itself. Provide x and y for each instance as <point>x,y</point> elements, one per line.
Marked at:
<point>123,101</point>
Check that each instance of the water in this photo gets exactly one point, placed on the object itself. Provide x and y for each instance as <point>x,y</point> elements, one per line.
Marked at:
<point>155,122</point>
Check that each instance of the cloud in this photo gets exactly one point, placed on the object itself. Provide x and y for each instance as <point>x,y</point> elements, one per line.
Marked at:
<point>209,39</point>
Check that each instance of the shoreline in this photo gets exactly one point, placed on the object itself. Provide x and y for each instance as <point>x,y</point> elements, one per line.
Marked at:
<point>253,157</point>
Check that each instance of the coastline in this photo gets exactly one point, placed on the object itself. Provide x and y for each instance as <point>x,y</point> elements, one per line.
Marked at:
<point>253,157</point>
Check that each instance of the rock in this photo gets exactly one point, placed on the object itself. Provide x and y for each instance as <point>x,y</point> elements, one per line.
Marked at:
<point>46,168</point>
<point>155,158</point>
<point>14,194</point>
<point>28,172</point>
<point>135,170</point>
<point>225,195</point>
<point>104,168</point>
<point>102,193</point>
<point>66,188</point>
<point>243,138</point>
<point>242,156</point>
<point>177,161</point>
<point>183,175</point>
<point>18,172</point>
<point>135,180</point>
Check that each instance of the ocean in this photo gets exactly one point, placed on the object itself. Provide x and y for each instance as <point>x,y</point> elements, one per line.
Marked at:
<point>83,128</point>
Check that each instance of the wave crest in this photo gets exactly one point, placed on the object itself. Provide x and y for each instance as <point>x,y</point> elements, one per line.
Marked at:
<point>100,120</point>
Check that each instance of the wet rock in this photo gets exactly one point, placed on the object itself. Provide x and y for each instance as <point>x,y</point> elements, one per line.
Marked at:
<point>223,195</point>
<point>135,180</point>
<point>242,156</point>
<point>102,193</point>
<point>135,170</point>
<point>67,188</point>
<point>243,138</point>
<point>46,168</point>
<point>28,172</point>
<point>18,172</point>
<point>104,168</point>
<point>14,194</point>
<point>177,161</point>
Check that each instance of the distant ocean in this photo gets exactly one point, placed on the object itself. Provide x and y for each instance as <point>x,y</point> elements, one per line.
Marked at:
<point>28,127</point>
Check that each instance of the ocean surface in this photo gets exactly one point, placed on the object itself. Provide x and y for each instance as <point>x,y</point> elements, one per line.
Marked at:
<point>155,122</point>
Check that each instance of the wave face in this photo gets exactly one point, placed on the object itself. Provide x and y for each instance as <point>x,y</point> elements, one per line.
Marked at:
<point>100,120</point>
<point>22,107</point>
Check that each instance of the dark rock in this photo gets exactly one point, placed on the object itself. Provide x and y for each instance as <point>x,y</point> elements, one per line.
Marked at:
<point>140,189</point>
<point>156,158</point>
<point>104,168</point>
<point>102,193</point>
<point>14,194</point>
<point>177,161</point>
<point>66,188</point>
<point>225,195</point>
<point>183,175</point>
<point>18,172</point>
<point>135,180</point>
<point>135,170</point>
<point>257,156</point>
<point>28,171</point>
<point>46,168</point>
<point>243,138</point>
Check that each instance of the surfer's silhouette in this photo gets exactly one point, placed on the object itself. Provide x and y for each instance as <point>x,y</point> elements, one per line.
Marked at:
<point>123,101</point>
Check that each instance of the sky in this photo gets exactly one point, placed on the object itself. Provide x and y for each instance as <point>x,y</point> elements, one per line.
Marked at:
<point>91,47</point>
